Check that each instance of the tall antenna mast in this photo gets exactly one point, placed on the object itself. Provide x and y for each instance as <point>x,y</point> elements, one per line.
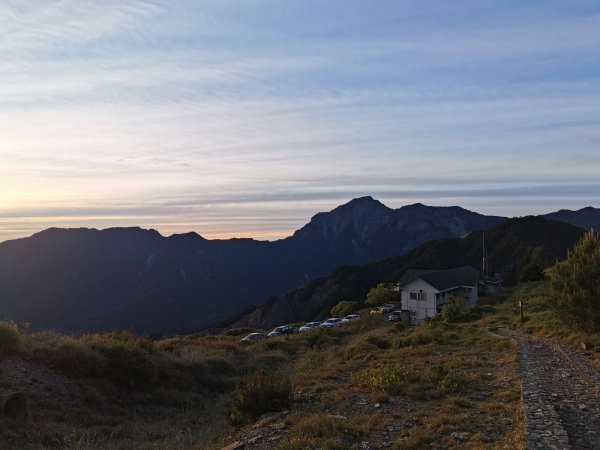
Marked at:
<point>483,261</point>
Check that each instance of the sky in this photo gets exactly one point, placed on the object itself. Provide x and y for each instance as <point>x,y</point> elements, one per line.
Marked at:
<point>246,117</point>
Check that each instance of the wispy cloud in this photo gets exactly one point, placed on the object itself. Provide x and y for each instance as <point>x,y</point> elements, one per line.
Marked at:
<point>245,118</point>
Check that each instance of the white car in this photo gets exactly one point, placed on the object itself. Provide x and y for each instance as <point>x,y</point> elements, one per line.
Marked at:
<point>350,318</point>
<point>388,307</point>
<point>331,323</point>
<point>309,326</point>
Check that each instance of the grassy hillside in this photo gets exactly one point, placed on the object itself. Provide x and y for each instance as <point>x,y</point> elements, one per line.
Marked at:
<point>434,386</point>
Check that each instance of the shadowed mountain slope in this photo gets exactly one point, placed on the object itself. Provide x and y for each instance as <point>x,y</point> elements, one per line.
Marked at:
<point>583,218</point>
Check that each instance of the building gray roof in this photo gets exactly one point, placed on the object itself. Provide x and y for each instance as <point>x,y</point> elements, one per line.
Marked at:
<point>443,280</point>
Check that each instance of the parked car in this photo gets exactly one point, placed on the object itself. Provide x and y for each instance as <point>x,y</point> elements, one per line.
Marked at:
<point>309,326</point>
<point>253,337</point>
<point>331,323</point>
<point>388,307</point>
<point>394,317</point>
<point>350,318</point>
<point>376,310</point>
<point>278,331</point>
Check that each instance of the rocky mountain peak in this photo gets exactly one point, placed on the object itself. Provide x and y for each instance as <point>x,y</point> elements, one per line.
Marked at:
<point>359,217</point>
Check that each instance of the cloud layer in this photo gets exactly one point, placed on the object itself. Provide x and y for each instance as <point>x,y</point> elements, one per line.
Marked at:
<point>244,118</point>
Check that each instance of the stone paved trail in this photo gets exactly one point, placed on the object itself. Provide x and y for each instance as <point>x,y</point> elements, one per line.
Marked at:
<point>561,400</point>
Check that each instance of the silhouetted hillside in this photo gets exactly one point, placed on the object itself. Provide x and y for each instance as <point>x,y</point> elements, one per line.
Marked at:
<point>584,218</point>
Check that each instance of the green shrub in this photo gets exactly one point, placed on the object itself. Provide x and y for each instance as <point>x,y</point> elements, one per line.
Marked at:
<point>531,272</point>
<point>10,338</point>
<point>127,365</point>
<point>344,308</point>
<point>454,310</point>
<point>319,339</point>
<point>359,350</point>
<point>447,381</point>
<point>380,376</point>
<point>143,342</point>
<point>430,333</point>
<point>258,394</point>
<point>312,359</point>
<point>72,357</point>
<point>379,341</point>
<point>382,293</point>
<point>219,365</point>
<point>399,326</point>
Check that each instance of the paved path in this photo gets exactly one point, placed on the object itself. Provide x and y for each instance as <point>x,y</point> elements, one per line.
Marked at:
<point>561,400</point>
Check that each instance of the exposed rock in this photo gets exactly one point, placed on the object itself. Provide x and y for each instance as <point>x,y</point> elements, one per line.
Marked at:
<point>462,437</point>
<point>587,346</point>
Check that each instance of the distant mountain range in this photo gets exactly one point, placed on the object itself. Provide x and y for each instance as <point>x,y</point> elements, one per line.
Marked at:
<point>130,278</point>
<point>585,218</point>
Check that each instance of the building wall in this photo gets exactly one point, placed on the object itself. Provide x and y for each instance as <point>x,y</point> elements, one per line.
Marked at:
<point>491,288</point>
<point>469,295</point>
<point>420,309</point>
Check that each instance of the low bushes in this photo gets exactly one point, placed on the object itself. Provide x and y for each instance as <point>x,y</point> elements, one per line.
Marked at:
<point>379,341</point>
<point>122,362</point>
<point>446,381</point>
<point>258,394</point>
<point>10,338</point>
<point>437,381</point>
<point>383,377</point>
<point>73,357</point>
<point>126,364</point>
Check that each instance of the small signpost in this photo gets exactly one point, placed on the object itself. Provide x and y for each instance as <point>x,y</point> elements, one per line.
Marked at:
<point>521,310</point>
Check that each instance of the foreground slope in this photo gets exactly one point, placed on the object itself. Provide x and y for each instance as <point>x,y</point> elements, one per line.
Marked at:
<point>438,386</point>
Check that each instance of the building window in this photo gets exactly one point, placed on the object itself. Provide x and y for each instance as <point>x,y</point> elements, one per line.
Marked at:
<point>417,295</point>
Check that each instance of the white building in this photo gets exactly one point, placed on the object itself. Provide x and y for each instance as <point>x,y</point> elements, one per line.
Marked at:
<point>425,292</point>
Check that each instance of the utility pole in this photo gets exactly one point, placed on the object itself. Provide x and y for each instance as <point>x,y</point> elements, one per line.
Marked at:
<point>483,253</point>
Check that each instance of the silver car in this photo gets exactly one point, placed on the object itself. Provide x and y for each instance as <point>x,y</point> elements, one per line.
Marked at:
<point>350,318</point>
<point>331,323</point>
<point>253,337</point>
<point>309,326</point>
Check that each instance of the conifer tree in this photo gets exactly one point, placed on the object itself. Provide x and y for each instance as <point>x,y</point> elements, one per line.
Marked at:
<point>575,285</point>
